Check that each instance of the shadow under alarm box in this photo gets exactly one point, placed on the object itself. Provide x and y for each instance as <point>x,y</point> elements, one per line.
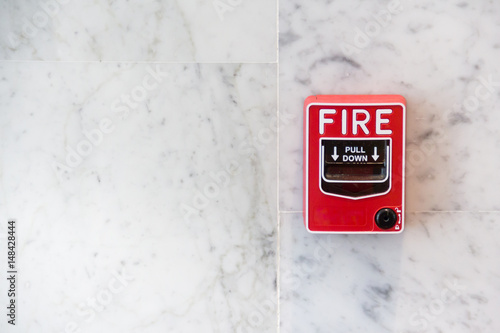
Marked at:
<point>354,163</point>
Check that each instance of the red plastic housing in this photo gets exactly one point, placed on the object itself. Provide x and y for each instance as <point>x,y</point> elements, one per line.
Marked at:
<point>354,163</point>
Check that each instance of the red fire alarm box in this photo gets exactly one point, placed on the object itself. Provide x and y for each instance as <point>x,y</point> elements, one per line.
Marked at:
<point>354,163</point>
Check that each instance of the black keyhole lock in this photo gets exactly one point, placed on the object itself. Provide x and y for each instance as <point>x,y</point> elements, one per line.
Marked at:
<point>386,218</point>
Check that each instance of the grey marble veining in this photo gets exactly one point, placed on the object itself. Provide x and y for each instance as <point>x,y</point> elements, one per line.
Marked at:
<point>178,31</point>
<point>140,210</point>
<point>440,275</point>
<point>441,57</point>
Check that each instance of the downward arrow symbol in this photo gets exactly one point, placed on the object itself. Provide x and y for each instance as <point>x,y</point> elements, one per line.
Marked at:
<point>375,156</point>
<point>335,156</point>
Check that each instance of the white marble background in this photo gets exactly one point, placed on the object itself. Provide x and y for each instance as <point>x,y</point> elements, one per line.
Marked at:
<point>139,30</point>
<point>442,273</point>
<point>141,160</point>
<point>171,192</point>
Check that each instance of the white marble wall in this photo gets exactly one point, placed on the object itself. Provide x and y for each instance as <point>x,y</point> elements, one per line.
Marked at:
<point>141,159</point>
<point>180,31</point>
<point>442,273</point>
<point>170,190</point>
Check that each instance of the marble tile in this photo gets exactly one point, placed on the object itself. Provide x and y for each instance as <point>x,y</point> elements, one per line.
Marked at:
<point>178,31</point>
<point>441,56</point>
<point>144,195</point>
<point>440,275</point>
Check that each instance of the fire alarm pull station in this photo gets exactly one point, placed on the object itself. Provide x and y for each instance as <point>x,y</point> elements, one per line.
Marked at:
<point>354,153</point>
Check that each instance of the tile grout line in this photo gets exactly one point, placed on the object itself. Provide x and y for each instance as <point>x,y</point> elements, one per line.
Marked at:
<point>451,211</point>
<point>278,245</point>
<point>142,62</point>
<point>416,211</point>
